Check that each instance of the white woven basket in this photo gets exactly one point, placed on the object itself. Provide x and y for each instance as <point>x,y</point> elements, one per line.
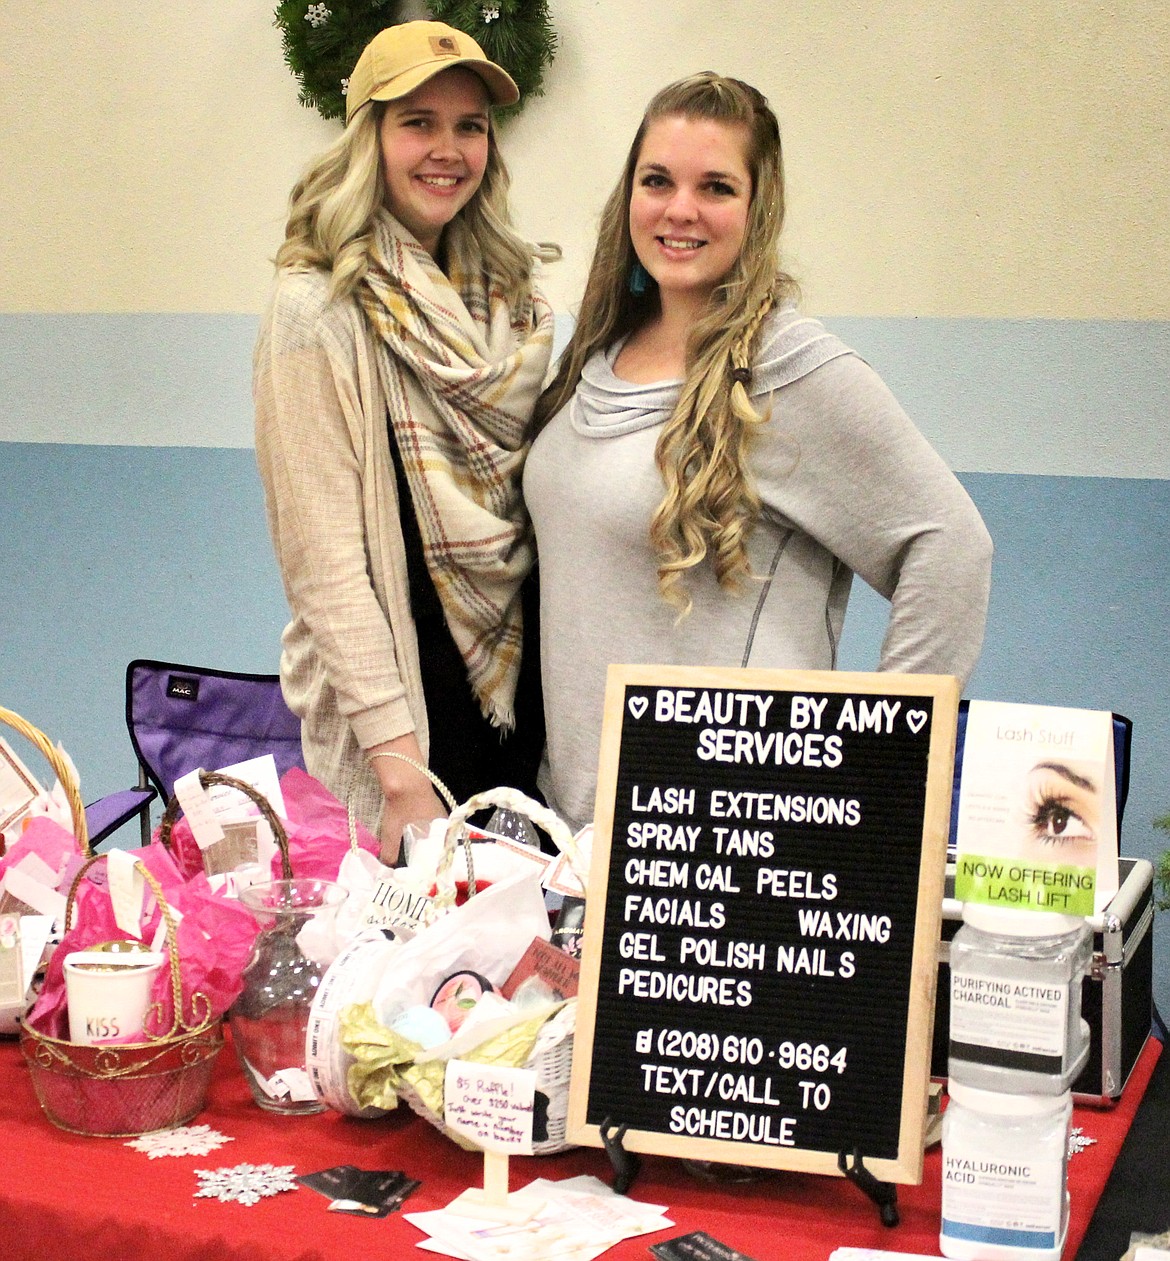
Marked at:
<point>552,1053</point>
<point>552,1060</point>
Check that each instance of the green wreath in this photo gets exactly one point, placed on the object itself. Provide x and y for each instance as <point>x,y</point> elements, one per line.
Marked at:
<point>322,41</point>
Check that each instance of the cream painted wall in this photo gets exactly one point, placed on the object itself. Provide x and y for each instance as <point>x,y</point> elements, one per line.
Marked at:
<point>944,158</point>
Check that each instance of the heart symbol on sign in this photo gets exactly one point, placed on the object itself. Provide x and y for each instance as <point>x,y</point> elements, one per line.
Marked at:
<point>638,705</point>
<point>915,719</point>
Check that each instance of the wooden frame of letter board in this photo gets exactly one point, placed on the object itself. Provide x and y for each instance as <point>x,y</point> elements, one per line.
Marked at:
<point>905,1100</point>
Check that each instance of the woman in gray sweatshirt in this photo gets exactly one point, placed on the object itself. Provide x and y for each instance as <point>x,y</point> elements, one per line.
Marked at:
<point>713,468</point>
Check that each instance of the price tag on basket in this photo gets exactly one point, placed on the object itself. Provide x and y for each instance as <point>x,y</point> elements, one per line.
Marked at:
<point>11,962</point>
<point>29,890</point>
<point>126,887</point>
<point>196,805</point>
<point>262,775</point>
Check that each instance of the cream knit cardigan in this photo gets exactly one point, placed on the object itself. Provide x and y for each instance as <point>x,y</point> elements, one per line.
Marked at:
<point>349,663</point>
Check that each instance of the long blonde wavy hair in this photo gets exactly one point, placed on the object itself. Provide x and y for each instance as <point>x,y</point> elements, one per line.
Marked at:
<point>710,504</point>
<point>334,205</point>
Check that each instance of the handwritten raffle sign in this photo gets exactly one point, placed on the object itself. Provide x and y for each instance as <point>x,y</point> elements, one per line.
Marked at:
<point>762,925</point>
<point>491,1105</point>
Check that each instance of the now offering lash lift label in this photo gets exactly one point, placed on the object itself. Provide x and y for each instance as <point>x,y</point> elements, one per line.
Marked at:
<point>1037,826</point>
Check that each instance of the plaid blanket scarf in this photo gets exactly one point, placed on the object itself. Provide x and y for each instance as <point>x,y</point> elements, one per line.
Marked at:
<point>461,370</point>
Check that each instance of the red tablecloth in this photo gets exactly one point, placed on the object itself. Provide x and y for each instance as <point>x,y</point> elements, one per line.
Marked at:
<point>63,1196</point>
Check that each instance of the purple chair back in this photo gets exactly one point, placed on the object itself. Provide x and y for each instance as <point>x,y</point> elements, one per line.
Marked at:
<point>184,717</point>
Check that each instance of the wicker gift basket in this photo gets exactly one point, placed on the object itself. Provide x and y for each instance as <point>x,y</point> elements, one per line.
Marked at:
<point>128,1088</point>
<point>216,863</point>
<point>551,1056</point>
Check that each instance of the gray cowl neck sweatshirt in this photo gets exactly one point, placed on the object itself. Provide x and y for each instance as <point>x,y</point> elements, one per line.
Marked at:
<point>848,486</point>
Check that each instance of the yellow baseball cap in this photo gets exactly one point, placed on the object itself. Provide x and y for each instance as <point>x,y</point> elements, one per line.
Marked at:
<point>401,58</point>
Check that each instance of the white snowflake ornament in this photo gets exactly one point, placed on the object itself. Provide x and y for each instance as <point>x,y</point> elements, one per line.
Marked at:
<point>1077,1141</point>
<point>187,1140</point>
<point>317,15</point>
<point>244,1184</point>
<point>490,12</point>
<point>345,87</point>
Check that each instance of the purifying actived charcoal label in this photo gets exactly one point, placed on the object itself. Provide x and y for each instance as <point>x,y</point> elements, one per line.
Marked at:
<point>993,1195</point>
<point>1010,1023</point>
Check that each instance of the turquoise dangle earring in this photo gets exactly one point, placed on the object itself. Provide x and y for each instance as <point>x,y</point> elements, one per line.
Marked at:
<point>640,279</point>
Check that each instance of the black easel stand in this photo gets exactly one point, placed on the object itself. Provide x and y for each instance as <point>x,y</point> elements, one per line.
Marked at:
<point>883,1194</point>
<point>625,1164</point>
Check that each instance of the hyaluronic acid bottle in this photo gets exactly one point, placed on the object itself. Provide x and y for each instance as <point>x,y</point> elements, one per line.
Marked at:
<point>1015,1007</point>
<point>1005,1159</point>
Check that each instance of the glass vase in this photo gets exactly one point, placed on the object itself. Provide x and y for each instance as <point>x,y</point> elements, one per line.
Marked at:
<point>270,1016</point>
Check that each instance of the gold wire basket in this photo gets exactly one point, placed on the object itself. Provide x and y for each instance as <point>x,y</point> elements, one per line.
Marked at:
<point>126,1089</point>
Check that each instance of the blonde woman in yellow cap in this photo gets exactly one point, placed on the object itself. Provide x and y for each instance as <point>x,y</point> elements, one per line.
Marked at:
<point>395,374</point>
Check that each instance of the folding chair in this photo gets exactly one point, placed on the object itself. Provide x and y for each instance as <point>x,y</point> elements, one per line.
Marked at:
<point>181,718</point>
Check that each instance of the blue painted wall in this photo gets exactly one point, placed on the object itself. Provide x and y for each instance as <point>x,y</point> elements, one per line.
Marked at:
<point>157,546</point>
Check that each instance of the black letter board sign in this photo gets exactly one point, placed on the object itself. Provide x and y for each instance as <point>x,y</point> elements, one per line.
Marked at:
<point>763,917</point>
